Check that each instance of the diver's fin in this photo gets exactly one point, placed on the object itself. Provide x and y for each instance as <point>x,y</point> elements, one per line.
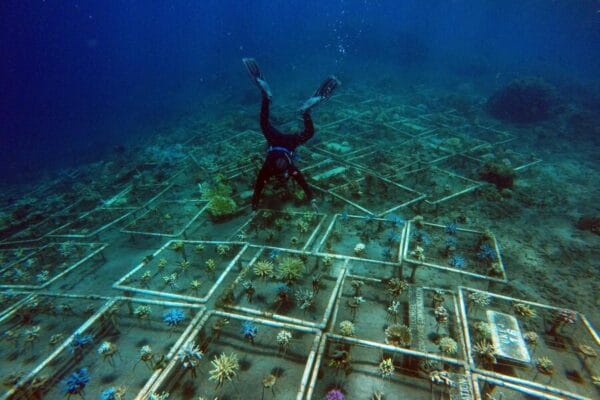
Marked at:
<point>256,76</point>
<point>324,92</point>
<point>252,67</point>
<point>327,87</point>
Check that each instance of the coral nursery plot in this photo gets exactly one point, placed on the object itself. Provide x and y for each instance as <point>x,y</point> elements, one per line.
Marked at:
<point>505,155</point>
<point>437,184</point>
<point>35,329</point>
<point>393,312</point>
<point>449,247</point>
<point>280,229</point>
<point>531,344</point>
<point>288,286</point>
<point>341,146</point>
<point>330,174</point>
<point>91,224</point>
<point>118,350</point>
<point>489,134</point>
<point>366,238</point>
<point>38,231</point>
<point>138,195</point>
<point>10,299</point>
<point>376,196</point>
<point>187,270</point>
<point>230,356</point>
<point>349,368</point>
<point>462,165</point>
<point>383,163</point>
<point>166,218</point>
<point>452,142</point>
<point>491,388</point>
<point>413,127</point>
<point>10,256</point>
<point>50,263</point>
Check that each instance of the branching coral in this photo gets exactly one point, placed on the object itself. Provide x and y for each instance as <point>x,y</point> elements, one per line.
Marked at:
<point>190,356</point>
<point>290,269</point>
<point>448,345</point>
<point>523,310</point>
<point>398,335</point>
<point>76,382</point>
<point>263,269</point>
<point>283,339</point>
<point>79,341</point>
<point>386,368</point>
<point>396,287</point>
<point>225,368</point>
<point>545,366</point>
<point>173,317</point>
<point>479,299</point>
<point>485,351</point>
<point>347,328</point>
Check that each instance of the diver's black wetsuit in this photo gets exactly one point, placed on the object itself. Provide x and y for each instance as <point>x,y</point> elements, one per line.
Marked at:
<point>281,152</point>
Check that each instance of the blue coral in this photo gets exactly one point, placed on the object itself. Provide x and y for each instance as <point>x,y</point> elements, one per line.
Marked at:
<point>452,228</point>
<point>173,317</point>
<point>76,382</point>
<point>249,330</point>
<point>457,262</point>
<point>109,394</point>
<point>80,341</point>
<point>486,253</point>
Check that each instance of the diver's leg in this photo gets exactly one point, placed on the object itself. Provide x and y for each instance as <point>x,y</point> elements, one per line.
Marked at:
<point>265,125</point>
<point>309,128</point>
<point>261,181</point>
<point>299,178</point>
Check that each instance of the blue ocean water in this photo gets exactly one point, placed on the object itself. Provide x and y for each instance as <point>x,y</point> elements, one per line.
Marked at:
<point>80,77</point>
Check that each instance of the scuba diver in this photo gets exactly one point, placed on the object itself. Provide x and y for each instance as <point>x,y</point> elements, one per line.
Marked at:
<point>280,153</point>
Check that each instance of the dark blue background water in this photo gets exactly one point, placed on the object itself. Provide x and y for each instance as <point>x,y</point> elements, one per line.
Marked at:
<point>79,77</point>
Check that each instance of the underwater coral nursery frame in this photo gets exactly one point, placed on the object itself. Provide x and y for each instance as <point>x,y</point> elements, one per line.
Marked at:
<point>88,325</point>
<point>309,240</point>
<point>321,245</point>
<point>64,343</point>
<point>63,231</point>
<point>179,232</point>
<point>507,379</point>
<point>416,314</point>
<point>120,284</point>
<point>157,384</point>
<point>481,382</point>
<point>97,251</point>
<point>326,313</point>
<point>406,256</point>
<point>463,384</point>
